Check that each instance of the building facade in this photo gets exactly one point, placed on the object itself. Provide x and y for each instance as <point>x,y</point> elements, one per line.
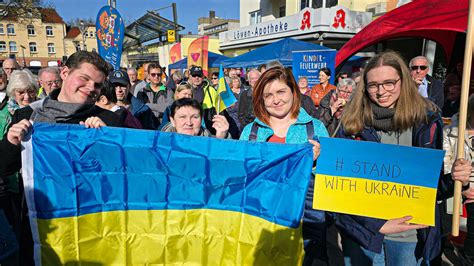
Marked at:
<point>75,40</point>
<point>36,40</point>
<point>212,25</point>
<point>322,22</point>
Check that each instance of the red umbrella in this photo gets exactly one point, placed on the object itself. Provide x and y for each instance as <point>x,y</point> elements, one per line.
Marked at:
<point>437,20</point>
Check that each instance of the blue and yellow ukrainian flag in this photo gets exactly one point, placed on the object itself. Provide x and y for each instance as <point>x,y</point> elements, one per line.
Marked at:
<point>225,96</point>
<point>125,196</point>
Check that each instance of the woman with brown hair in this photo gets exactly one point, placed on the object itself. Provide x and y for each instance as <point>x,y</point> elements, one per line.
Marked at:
<point>281,119</point>
<point>387,108</point>
<point>320,90</point>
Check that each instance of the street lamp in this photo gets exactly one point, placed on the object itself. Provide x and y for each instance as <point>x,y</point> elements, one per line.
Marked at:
<point>320,37</point>
<point>23,54</point>
<point>82,28</point>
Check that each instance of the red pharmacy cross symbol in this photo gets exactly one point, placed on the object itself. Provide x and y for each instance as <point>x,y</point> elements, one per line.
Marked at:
<point>306,21</point>
<point>340,19</point>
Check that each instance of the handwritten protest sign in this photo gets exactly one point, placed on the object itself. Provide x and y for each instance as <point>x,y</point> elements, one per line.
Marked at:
<point>309,63</point>
<point>377,180</point>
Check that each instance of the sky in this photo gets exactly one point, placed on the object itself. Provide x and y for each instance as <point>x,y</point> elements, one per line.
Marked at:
<point>188,10</point>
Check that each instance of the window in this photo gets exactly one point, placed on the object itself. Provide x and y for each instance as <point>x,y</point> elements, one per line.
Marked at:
<point>31,30</point>
<point>2,31</point>
<point>51,49</point>
<point>331,3</point>
<point>10,29</point>
<point>255,17</point>
<point>282,11</point>
<point>33,48</point>
<point>49,31</point>
<point>3,46</point>
<point>13,48</point>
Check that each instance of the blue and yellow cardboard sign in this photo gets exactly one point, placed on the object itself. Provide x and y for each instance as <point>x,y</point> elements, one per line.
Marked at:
<point>377,180</point>
<point>308,63</point>
<point>123,196</point>
<point>110,33</point>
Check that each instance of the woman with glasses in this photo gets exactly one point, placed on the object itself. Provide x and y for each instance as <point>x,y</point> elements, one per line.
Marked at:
<point>450,146</point>
<point>387,108</point>
<point>22,89</point>
<point>332,105</point>
<point>215,80</point>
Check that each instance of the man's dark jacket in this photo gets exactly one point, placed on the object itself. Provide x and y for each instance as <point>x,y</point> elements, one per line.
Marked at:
<point>435,91</point>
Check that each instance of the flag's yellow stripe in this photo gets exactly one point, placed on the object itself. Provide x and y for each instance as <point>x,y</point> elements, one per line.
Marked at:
<point>195,237</point>
<point>380,199</point>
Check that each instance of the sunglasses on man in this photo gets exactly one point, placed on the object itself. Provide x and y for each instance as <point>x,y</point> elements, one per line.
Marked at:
<point>418,67</point>
<point>155,74</point>
<point>196,76</point>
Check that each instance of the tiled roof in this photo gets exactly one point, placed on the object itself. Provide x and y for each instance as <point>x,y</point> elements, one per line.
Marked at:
<point>49,15</point>
<point>72,33</point>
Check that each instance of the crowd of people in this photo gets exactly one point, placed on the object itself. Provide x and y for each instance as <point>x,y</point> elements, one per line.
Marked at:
<point>387,101</point>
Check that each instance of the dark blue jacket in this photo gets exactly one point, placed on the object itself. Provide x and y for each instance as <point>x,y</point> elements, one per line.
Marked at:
<point>365,230</point>
<point>143,113</point>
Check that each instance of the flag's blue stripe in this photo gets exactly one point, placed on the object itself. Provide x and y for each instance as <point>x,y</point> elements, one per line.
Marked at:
<point>121,169</point>
<point>228,99</point>
<point>372,163</point>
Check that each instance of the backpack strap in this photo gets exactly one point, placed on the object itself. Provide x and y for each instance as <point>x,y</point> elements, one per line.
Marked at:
<point>310,130</point>
<point>255,126</point>
<point>253,132</point>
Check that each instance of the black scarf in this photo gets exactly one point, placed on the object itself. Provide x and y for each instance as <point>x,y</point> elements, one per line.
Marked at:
<point>383,117</point>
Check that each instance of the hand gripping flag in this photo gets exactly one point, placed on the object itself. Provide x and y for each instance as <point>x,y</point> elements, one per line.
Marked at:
<point>125,196</point>
<point>225,97</point>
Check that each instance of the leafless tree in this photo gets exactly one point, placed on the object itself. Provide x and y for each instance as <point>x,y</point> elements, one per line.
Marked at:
<point>21,8</point>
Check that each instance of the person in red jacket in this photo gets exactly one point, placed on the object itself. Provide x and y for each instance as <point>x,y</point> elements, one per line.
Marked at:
<point>320,90</point>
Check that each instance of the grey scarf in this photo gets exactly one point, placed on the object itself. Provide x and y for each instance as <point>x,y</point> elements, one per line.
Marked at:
<point>51,111</point>
<point>383,117</point>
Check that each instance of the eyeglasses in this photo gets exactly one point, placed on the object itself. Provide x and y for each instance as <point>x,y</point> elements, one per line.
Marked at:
<point>57,82</point>
<point>388,85</point>
<point>414,68</point>
<point>30,92</point>
<point>196,76</point>
<point>9,68</point>
<point>214,78</point>
<point>344,91</point>
<point>155,75</point>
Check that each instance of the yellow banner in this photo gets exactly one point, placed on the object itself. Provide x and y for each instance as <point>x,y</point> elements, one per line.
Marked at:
<point>378,199</point>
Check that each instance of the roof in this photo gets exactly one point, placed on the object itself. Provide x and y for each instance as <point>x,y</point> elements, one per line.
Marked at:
<point>49,15</point>
<point>73,32</point>
<point>149,27</point>
<point>280,50</point>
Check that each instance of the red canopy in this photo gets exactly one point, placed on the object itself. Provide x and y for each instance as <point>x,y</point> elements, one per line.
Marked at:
<point>437,20</point>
